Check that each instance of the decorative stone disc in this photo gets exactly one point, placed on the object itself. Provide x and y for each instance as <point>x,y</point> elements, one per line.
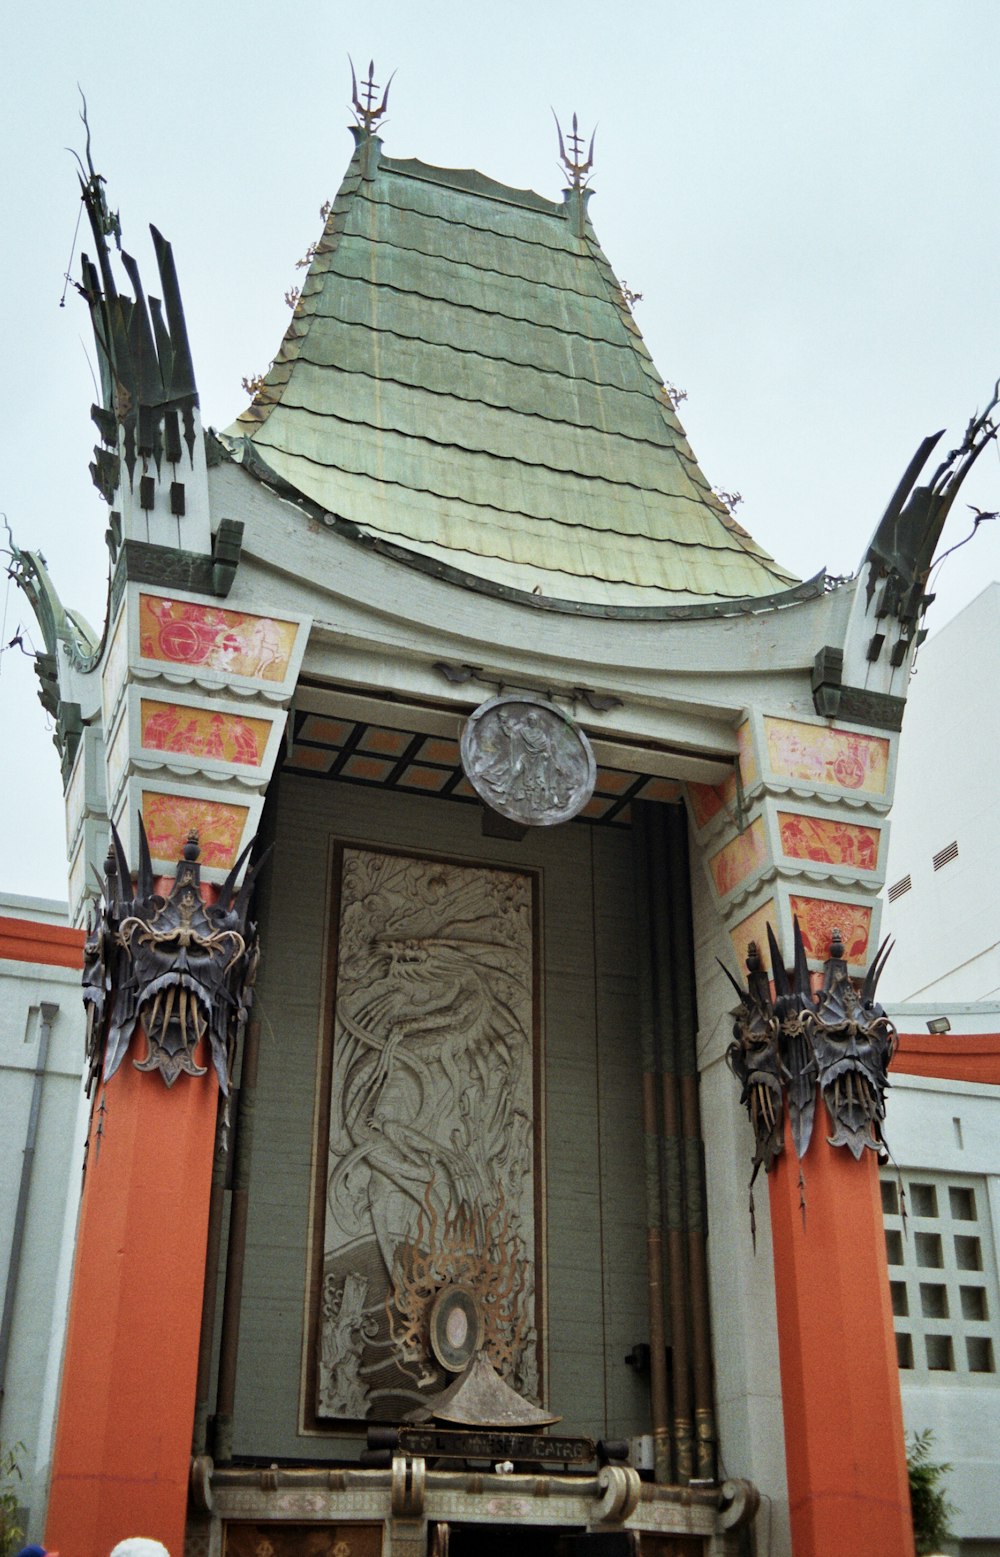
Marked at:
<point>456,1327</point>
<point>528,760</point>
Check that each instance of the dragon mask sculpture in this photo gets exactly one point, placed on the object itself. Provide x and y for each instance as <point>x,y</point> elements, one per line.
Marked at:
<point>179,967</point>
<point>853,1041</point>
<point>784,1047</point>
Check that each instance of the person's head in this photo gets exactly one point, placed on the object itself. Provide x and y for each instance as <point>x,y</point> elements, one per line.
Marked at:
<point>137,1546</point>
<point>35,1551</point>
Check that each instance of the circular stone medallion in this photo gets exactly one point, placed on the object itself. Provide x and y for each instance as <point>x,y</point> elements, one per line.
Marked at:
<point>456,1327</point>
<point>528,760</point>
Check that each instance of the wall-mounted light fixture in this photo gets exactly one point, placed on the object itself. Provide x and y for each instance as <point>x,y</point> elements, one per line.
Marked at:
<point>940,1024</point>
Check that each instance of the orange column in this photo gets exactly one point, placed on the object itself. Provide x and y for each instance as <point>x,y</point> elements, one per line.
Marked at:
<point>847,1480</point>
<point>123,1438</point>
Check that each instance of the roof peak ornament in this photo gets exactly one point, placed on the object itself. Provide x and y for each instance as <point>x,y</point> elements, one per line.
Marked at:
<point>92,187</point>
<point>578,167</point>
<point>366,115</point>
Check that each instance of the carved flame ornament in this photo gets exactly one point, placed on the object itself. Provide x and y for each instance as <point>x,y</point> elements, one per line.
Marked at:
<point>179,968</point>
<point>784,1047</point>
<point>473,1253</point>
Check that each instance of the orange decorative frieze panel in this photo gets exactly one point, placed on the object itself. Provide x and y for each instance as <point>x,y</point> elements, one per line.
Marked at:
<point>706,802</point>
<point>197,636</point>
<point>169,818</point>
<point>754,928</point>
<point>203,732</point>
<point>819,917</point>
<point>828,841</point>
<point>815,754</point>
<point>739,858</point>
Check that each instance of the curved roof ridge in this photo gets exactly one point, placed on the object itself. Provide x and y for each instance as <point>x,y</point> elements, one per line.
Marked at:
<point>472,182</point>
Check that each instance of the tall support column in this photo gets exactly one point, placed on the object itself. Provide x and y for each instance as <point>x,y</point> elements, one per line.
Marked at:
<point>847,1480</point>
<point>123,1439</point>
<point>169,970</point>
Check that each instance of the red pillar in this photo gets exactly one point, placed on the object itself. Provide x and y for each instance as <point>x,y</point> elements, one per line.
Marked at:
<point>123,1438</point>
<point>847,1480</point>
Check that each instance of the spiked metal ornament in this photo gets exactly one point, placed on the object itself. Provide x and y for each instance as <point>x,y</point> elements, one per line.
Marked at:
<point>798,1062</point>
<point>754,1060</point>
<point>854,1042</point>
<point>782,1049</point>
<point>576,164</point>
<point>366,113</point>
<point>180,968</point>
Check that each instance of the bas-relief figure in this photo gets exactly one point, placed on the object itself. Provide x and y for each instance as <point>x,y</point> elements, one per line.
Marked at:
<point>528,760</point>
<point>431,1114</point>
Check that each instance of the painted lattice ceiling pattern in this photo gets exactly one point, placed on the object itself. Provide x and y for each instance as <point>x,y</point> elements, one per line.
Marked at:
<point>354,753</point>
<point>463,378</point>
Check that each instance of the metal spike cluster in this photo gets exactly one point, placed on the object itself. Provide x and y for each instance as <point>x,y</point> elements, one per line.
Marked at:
<point>179,968</point>
<point>365,113</point>
<point>148,390</point>
<point>786,1046</point>
<point>577,166</point>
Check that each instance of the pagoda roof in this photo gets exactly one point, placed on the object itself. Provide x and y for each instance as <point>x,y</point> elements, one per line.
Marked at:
<point>463,378</point>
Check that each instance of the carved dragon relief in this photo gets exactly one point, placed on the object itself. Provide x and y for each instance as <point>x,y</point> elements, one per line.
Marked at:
<point>179,968</point>
<point>786,1045</point>
<point>431,1142</point>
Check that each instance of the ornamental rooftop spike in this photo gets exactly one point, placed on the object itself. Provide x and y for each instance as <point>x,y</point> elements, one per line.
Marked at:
<point>578,167</point>
<point>366,115</point>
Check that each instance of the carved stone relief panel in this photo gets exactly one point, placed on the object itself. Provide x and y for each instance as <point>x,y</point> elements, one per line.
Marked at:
<point>428,1155</point>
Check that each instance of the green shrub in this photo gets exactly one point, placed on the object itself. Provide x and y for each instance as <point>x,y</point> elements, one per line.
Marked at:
<point>11,1534</point>
<point>932,1512</point>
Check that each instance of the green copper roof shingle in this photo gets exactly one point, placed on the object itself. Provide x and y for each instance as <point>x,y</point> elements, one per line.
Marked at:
<point>463,377</point>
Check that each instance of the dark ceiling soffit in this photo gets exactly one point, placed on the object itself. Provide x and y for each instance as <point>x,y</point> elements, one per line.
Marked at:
<point>254,465</point>
<point>435,705</point>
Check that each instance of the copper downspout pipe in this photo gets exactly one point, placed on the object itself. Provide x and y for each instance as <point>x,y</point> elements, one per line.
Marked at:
<point>673,1186</point>
<point>651,1145</point>
<point>216,1205</point>
<point>229,1340</point>
<point>694,1168</point>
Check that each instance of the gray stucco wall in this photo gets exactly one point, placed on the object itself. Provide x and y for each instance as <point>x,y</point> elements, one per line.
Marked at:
<point>594,1208</point>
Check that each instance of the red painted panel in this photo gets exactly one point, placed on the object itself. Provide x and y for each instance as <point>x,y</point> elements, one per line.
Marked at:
<point>950,1056</point>
<point>26,940</point>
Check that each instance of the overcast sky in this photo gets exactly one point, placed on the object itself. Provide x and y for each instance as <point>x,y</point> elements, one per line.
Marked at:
<point>805,194</point>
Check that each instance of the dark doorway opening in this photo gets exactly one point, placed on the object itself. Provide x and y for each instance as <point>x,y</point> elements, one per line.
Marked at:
<point>510,1541</point>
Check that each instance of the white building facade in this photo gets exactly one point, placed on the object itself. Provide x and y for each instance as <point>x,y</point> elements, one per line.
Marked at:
<point>945,835</point>
<point>41,1155</point>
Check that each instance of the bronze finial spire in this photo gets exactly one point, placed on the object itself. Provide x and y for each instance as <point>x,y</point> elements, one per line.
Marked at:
<point>578,168</point>
<point>366,115</point>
